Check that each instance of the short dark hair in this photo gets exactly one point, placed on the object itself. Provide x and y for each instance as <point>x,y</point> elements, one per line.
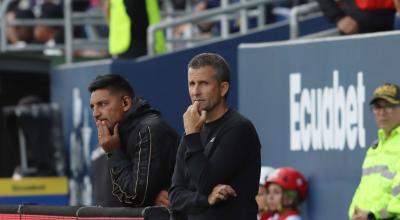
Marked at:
<point>113,82</point>
<point>13,6</point>
<point>24,14</point>
<point>51,10</point>
<point>214,60</point>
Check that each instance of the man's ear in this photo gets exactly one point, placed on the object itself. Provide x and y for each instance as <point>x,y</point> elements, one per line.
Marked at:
<point>224,86</point>
<point>127,102</point>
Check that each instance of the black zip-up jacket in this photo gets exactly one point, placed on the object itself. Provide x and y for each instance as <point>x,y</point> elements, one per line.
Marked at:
<point>144,164</point>
<point>368,20</point>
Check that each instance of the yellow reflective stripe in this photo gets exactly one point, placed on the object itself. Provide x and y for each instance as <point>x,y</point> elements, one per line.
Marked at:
<point>384,214</point>
<point>30,186</point>
<point>381,169</point>
<point>153,14</point>
<point>396,190</point>
<point>119,192</point>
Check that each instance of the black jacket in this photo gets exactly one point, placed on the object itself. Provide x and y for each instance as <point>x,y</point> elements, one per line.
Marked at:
<point>144,164</point>
<point>226,151</point>
<point>368,20</point>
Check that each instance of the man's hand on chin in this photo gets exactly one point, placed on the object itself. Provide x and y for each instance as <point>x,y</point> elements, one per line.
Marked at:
<point>194,119</point>
<point>108,141</point>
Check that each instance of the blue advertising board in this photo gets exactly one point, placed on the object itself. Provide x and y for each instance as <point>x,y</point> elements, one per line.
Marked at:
<point>309,100</point>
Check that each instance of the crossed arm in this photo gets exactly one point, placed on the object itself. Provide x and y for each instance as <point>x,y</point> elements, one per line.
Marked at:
<point>138,178</point>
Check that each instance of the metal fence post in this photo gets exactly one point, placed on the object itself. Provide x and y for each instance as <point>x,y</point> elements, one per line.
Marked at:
<point>68,31</point>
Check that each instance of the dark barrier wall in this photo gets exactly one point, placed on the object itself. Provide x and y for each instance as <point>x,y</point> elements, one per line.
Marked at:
<point>20,76</point>
<point>34,212</point>
<point>309,101</point>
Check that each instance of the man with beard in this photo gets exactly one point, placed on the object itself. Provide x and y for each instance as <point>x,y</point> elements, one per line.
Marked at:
<point>140,146</point>
<point>218,163</point>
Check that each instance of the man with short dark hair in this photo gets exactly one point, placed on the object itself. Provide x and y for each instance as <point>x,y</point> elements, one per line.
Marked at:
<point>141,147</point>
<point>378,194</point>
<point>218,163</point>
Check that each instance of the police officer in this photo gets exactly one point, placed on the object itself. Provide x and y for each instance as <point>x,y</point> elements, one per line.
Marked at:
<point>378,194</point>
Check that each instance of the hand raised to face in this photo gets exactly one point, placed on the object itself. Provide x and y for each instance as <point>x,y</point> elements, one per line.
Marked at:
<point>107,141</point>
<point>193,118</point>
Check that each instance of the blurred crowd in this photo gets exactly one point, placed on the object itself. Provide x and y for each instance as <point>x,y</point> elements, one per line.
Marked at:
<point>126,22</point>
<point>50,35</point>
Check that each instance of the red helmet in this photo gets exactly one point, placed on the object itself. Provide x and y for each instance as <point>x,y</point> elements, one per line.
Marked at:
<point>291,179</point>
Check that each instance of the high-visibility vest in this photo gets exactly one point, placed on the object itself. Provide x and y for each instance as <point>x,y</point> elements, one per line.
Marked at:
<point>379,188</point>
<point>119,37</point>
<point>153,13</point>
<point>120,27</point>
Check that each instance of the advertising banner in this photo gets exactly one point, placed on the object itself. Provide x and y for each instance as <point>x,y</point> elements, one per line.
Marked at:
<point>309,100</point>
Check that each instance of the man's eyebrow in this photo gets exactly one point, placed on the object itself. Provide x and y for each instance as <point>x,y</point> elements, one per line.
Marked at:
<point>97,103</point>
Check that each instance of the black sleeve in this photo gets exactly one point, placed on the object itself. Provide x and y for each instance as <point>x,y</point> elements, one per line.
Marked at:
<point>131,7</point>
<point>137,11</point>
<point>137,179</point>
<point>182,199</point>
<point>331,10</point>
<point>233,147</point>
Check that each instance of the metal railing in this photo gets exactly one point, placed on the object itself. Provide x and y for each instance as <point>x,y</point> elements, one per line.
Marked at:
<point>240,11</point>
<point>220,13</point>
<point>223,14</point>
<point>70,20</point>
<point>295,14</point>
